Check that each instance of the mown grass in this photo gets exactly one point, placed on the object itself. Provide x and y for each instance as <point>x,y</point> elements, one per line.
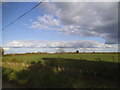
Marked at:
<point>62,70</point>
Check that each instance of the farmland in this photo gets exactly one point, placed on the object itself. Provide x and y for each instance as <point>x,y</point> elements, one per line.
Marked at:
<point>73,70</point>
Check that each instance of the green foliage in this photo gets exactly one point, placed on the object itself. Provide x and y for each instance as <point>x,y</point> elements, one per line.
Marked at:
<point>12,76</point>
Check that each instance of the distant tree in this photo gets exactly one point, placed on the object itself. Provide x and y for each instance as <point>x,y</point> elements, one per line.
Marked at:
<point>77,51</point>
<point>93,51</point>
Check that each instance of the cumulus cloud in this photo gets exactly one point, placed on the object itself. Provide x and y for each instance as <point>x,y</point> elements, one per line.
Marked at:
<point>85,19</point>
<point>46,22</point>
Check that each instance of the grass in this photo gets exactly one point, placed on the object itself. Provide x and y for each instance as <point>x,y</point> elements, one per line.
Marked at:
<point>92,57</point>
<point>62,70</point>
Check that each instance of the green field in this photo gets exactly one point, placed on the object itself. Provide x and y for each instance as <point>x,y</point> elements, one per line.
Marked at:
<point>84,70</point>
<point>85,56</point>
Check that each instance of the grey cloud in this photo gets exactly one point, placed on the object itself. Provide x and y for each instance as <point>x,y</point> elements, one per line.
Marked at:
<point>94,19</point>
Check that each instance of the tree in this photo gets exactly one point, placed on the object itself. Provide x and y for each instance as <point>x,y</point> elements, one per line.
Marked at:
<point>93,51</point>
<point>77,51</point>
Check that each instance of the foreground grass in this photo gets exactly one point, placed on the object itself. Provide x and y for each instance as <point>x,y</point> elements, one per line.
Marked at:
<point>62,70</point>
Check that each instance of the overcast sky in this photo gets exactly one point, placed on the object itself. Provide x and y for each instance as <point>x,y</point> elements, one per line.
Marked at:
<point>90,26</point>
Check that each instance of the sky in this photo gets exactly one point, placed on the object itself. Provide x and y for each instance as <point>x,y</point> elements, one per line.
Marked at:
<point>1,24</point>
<point>60,26</point>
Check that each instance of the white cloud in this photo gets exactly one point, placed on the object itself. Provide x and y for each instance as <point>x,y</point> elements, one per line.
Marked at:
<point>82,19</point>
<point>46,22</point>
<point>6,49</point>
<point>53,46</point>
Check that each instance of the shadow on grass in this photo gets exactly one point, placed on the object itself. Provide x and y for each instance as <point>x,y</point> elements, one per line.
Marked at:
<point>65,73</point>
<point>101,69</point>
